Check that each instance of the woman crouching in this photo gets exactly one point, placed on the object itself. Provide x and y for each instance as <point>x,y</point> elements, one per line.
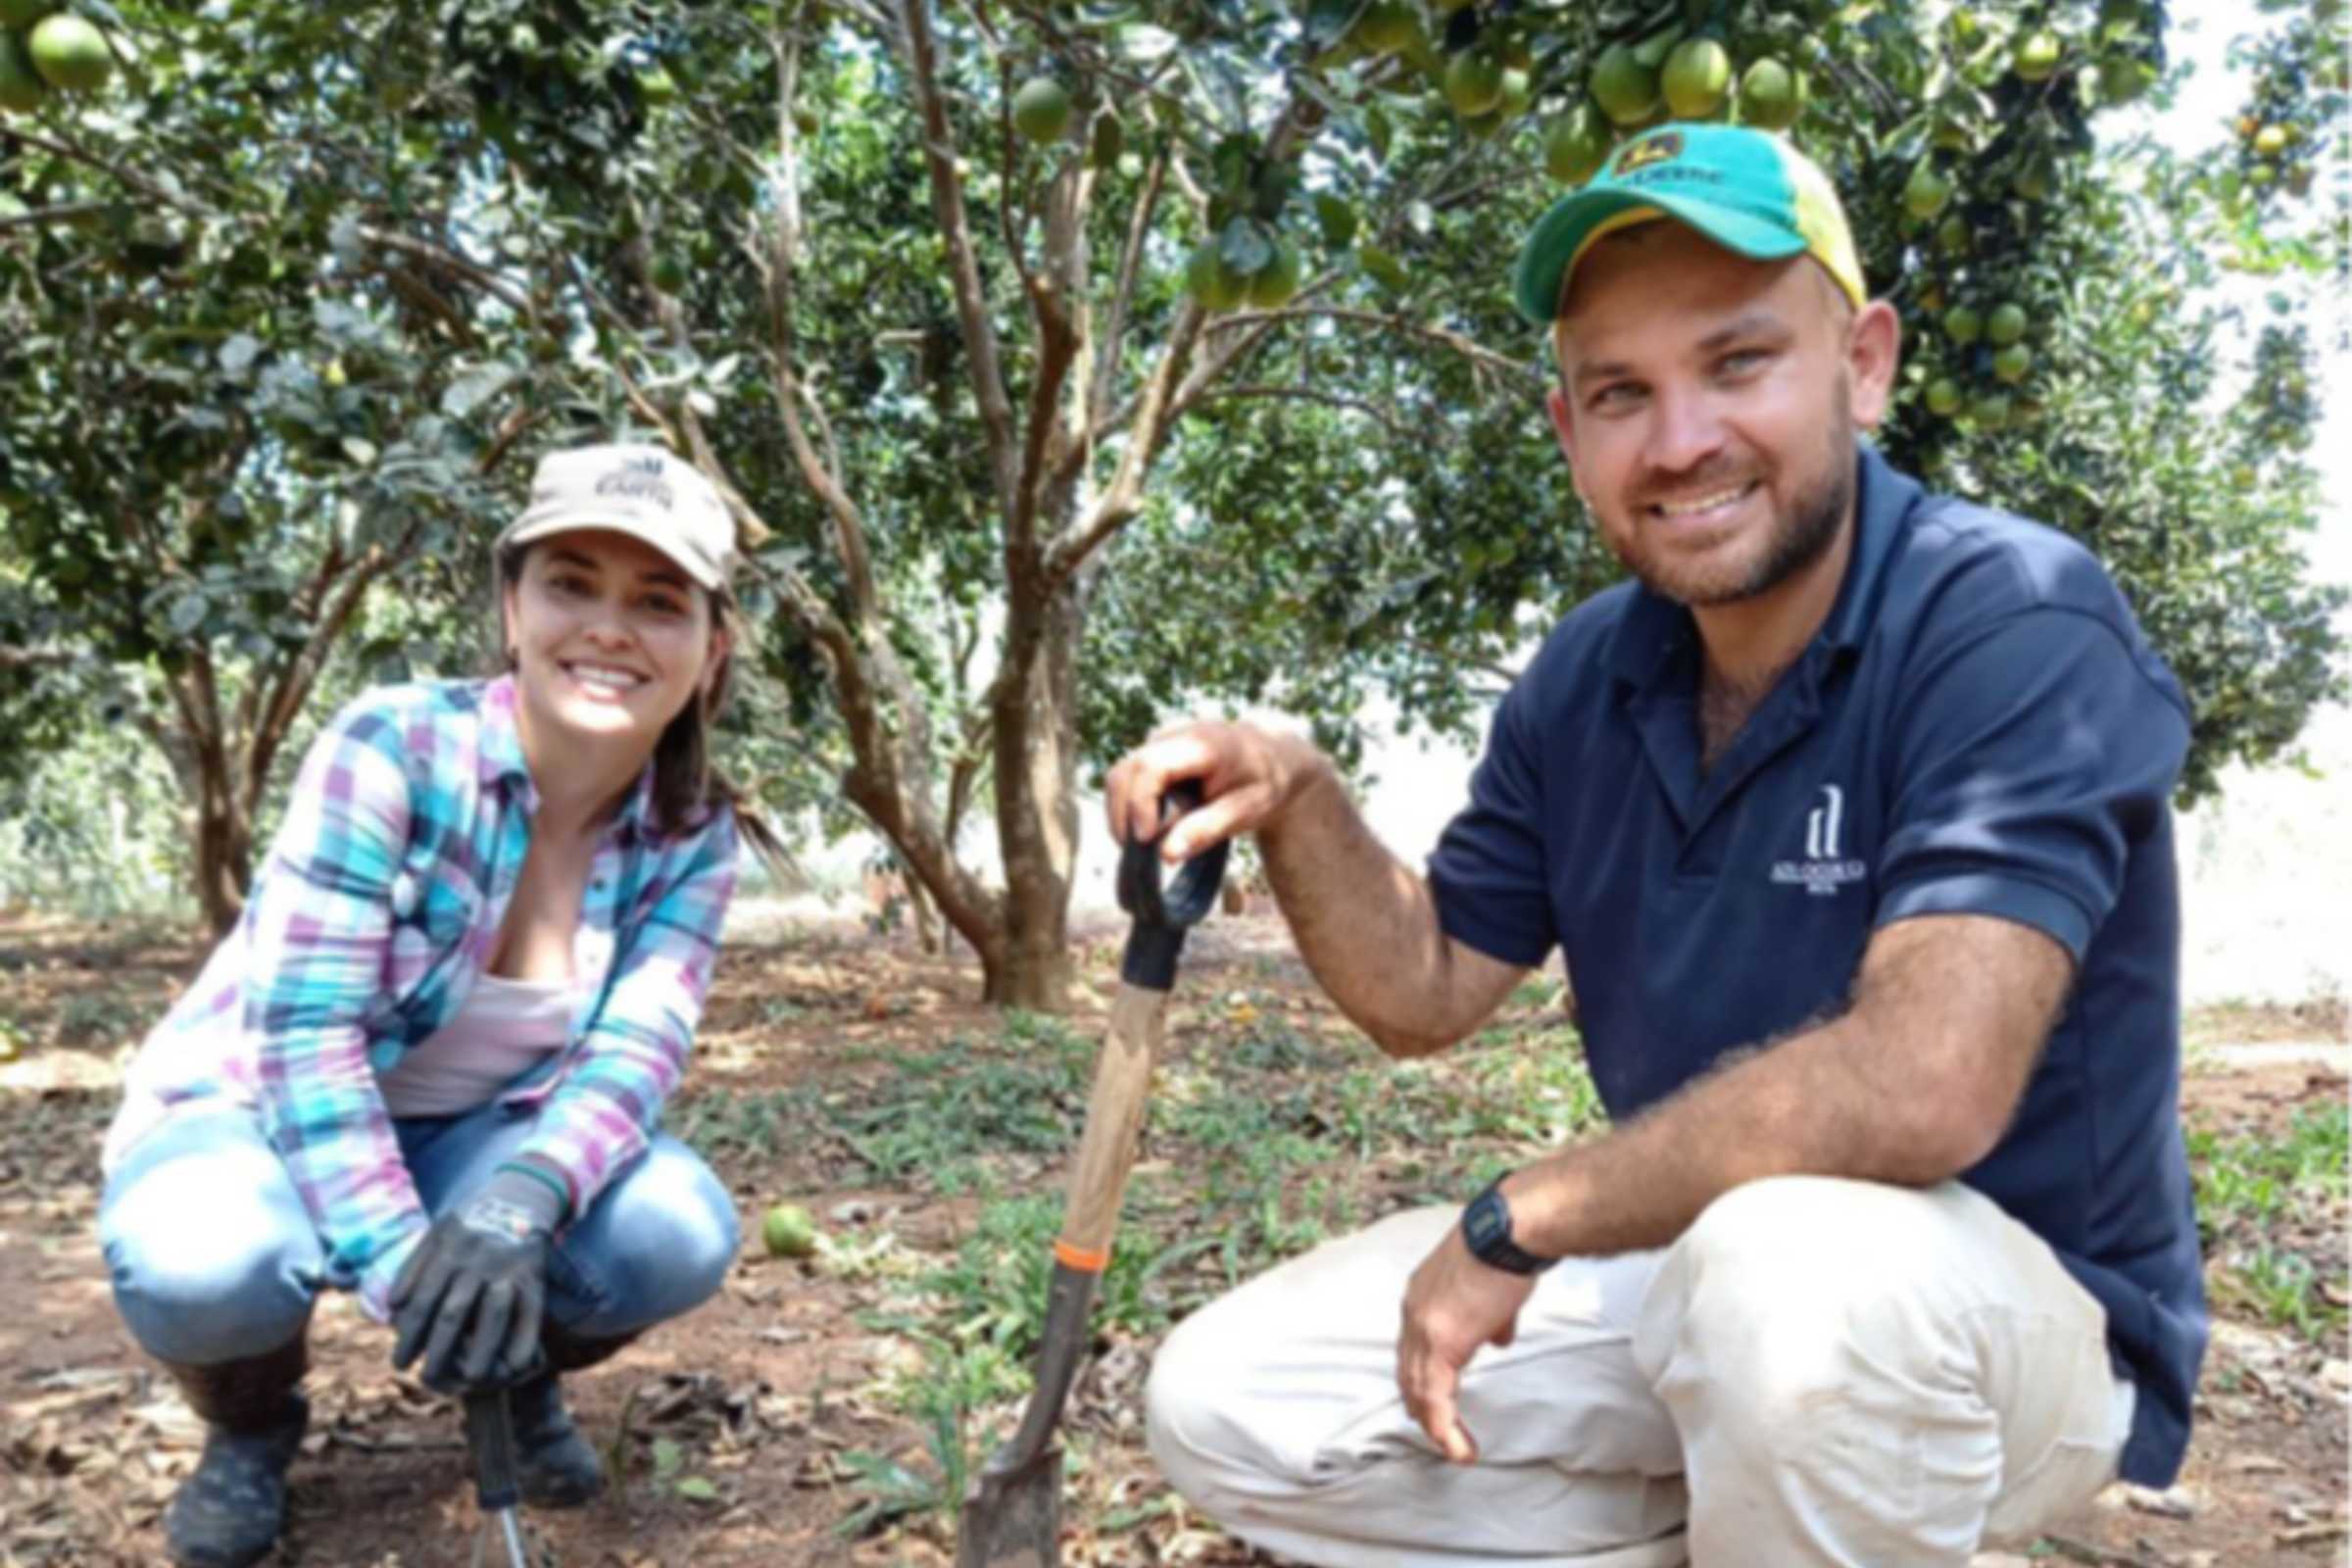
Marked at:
<point>427,1064</point>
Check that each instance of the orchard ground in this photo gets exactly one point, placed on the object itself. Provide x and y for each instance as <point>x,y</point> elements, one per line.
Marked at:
<point>824,1411</point>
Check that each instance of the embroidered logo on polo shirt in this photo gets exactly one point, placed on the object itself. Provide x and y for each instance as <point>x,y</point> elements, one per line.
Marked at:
<point>1824,869</point>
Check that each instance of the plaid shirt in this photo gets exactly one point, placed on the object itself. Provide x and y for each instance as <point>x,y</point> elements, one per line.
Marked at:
<point>379,903</point>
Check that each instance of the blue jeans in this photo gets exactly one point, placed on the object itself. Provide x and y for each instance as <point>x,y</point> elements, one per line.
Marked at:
<point>214,1257</point>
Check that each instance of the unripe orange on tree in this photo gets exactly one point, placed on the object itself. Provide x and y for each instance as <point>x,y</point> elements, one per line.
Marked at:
<point>1772,97</point>
<point>2037,55</point>
<point>1961,324</point>
<point>1626,90</point>
<point>1926,192</point>
<point>1576,145</point>
<point>1943,397</point>
<point>1474,83</point>
<point>2271,140</point>
<point>1273,284</point>
<point>2005,326</point>
<point>1041,109</point>
<point>2012,363</point>
<point>69,53</point>
<point>22,88</point>
<point>1210,282</point>
<point>1697,79</point>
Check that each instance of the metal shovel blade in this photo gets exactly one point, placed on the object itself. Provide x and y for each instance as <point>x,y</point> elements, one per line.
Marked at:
<point>1012,1516</point>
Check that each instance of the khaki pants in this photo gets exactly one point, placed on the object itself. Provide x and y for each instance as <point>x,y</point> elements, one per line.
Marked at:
<point>1819,1372</point>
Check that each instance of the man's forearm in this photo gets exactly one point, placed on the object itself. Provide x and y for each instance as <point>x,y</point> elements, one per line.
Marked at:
<point>1366,925</point>
<point>1809,1105</point>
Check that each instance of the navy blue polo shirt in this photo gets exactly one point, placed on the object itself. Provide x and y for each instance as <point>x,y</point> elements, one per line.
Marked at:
<point>1978,728</point>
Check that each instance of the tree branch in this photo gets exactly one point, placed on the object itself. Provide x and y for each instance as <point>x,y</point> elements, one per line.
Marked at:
<point>1113,331</point>
<point>946,204</point>
<point>1310,394</point>
<point>474,272</point>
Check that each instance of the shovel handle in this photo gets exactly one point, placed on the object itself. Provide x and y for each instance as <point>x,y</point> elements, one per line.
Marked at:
<point>1114,1122</point>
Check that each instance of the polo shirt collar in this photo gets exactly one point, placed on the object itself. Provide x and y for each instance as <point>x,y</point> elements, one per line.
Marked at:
<point>1655,631</point>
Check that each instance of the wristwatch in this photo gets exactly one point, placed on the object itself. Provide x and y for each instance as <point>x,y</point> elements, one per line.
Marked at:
<point>1486,1229</point>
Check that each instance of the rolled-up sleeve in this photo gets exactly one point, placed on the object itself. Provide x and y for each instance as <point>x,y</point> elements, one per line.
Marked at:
<point>2028,757</point>
<point>609,1102</point>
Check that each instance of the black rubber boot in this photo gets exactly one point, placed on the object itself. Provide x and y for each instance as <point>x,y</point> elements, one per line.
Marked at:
<point>230,1512</point>
<point>559,1467</point>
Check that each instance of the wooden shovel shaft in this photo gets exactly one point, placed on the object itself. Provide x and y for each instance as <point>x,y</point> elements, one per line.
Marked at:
<point>1114,1122</point>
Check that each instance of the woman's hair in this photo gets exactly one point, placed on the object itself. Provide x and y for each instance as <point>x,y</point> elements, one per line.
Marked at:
<point>686,783</point>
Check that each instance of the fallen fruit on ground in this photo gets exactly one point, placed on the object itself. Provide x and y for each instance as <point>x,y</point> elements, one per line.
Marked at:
<point>789,1231</point>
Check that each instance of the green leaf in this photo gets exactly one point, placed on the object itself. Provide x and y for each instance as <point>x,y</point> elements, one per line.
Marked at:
<point>697,1489</point>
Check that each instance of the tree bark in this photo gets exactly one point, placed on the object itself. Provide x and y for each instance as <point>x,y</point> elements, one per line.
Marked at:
<point>1035,735</point>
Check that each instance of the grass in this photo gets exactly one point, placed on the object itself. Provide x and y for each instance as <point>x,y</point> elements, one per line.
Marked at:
<point>2271,1210</point>
<point>1261,1142</point>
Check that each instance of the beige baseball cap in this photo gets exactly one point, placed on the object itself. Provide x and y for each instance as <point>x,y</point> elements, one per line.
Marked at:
<point>646,492</point>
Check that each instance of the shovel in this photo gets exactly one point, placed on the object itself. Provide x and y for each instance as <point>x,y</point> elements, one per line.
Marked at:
<point>1011,1514</point>
<point>490,1436</point>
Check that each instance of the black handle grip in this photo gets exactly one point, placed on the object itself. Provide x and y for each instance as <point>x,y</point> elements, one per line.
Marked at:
<point>1162,915</point>
<point>490,1435</point>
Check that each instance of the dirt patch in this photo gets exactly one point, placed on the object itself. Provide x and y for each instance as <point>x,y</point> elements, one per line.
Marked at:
<point>783,1424</point>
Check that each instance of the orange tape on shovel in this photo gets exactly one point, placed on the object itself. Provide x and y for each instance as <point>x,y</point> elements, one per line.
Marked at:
<point>1085,1260</point>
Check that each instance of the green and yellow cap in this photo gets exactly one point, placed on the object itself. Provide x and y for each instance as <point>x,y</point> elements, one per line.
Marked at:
<point>1745,189</point>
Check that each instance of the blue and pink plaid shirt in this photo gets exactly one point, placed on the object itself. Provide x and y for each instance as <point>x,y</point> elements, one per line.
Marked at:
<point>379,903</point>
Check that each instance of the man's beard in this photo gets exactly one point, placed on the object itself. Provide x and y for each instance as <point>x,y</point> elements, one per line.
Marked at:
<point>1799,537</point>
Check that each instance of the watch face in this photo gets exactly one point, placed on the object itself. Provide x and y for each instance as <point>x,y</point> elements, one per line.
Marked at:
<point>1485,1222</point>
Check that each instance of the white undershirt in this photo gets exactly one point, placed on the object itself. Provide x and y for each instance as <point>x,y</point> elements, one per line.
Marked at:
<point>504,1029</point>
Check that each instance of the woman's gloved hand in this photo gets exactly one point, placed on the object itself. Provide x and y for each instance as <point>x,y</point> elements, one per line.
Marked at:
<point>469,1299</point>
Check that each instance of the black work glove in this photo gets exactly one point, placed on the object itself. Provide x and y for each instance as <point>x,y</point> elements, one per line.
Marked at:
<point>469,1299</point>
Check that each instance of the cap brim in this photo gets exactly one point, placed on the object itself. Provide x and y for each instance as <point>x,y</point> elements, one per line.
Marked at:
<point>524,533</point>
<point>1561,232</point>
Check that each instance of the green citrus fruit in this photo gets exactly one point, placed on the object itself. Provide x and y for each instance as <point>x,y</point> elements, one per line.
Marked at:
<point>22,88</point>
<point>1926,192</point>
<point>1387,26</point>
<point>2012,363</point>
<point>789,1231</point>
<point>69,53</point>
<point>1041,109</point>
<point>1771,96</point>
<point>2263,173</point>
<point>1212,282</point>
<point>1626,90</point>
<point>1697,79</point>
<point>1953,235</point>
<point>1474,83</point>
<point>2123,78</point>
<point>2271,140</point>
<point>1518,93</point>
<point>1944,397</point>
<point>1991,411</point>
<point>1274,283</point>
<point>670,272</point>
<point>2005,326</point>
<point>1962,325</point>
<point>2033,182</point>
<point>1576,145</point>
<point>2037,55</point>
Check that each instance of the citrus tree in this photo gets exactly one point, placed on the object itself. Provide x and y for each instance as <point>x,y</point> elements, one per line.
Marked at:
<point>1066,363</point>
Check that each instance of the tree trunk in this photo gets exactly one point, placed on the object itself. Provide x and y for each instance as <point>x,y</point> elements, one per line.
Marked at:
<point>224,843</point>
<point>1037,818</point>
